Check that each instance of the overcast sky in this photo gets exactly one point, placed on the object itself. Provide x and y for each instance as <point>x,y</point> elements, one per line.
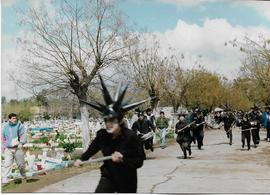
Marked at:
<point>196,28</point>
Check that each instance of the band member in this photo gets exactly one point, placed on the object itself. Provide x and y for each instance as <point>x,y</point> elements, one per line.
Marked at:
<point>182,129</point>
<point>246,128</point>
<point>228,120</point>
<point>151,117</point>
<point>120,173</point>
<point>143,126</point>
<point>197,127</point>
<point>255,120</point>
<point>217,117</point>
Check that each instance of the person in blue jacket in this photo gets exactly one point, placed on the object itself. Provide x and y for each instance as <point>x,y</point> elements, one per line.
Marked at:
<point>13,139</point>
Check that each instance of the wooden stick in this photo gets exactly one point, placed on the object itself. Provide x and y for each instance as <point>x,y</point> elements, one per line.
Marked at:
<point>70,162</point>
<point>185,127</point>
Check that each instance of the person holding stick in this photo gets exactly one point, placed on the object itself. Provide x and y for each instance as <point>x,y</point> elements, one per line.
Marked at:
<point>182,129</point>
<point>142,127</point>
<point>197,127</point>
<point>119,172</point>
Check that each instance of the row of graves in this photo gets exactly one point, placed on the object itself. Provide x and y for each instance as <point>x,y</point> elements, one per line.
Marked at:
<point>52,145</point>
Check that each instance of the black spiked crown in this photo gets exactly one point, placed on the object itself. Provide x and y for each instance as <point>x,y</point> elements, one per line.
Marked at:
<point>114,107</point>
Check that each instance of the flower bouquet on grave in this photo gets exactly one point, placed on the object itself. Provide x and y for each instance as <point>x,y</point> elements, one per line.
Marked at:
<point>68,146</point>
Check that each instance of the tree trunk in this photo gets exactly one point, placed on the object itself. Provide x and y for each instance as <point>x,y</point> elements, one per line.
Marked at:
<point>153,102</point>
<point>85,126</point>
<point>71,112</point>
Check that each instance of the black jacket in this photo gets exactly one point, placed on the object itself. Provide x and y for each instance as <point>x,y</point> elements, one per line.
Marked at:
<point>143,126</point>
<point>123,175</point>
<point>228,120</point>
<point>255,117</point>
<point>198,118</point>
<point>183,135</point>
<point>245,125</point>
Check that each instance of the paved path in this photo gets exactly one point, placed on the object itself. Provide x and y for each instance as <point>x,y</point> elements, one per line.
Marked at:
<point>218,168</point>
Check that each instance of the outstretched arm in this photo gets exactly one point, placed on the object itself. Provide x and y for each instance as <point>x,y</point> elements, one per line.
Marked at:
<point>93,148</point>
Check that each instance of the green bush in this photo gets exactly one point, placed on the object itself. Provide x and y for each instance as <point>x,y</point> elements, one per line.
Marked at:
<point>69,147</point>
<point>41,140</point>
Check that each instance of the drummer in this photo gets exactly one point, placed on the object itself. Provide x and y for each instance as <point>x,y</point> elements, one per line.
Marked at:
<point>143,126</point>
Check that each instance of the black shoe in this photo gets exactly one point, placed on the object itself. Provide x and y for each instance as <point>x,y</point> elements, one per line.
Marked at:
<point>248,148</point>
<point>255,146</point>
<point>152,149</point>
<point>243,146</point>
<point>189,152</point>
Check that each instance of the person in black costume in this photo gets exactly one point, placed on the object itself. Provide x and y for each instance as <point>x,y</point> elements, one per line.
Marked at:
<point>182,129</point>
<point>120,173</point>
<point>255,121</point>
<point>229,120</point>
<point>197,127</point>
<point>245,124</point>
<point>151,117</point>
<point>143,126</point>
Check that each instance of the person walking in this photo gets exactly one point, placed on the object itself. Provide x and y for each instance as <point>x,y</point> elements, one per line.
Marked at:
<point>162,123</point>
<point>13,138</point>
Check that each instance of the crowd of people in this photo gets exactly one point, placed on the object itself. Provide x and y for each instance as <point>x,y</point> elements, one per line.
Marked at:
<point>126,145</point>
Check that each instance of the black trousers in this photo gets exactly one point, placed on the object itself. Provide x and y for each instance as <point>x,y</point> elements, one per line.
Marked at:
<point>148,144</point>
<point>255,135</point>
<point>199,135</point>
<point>229,133</point>
<point>107,186</point>
<point>246,136</point>
<point>268,129</point>
<point>185,145</point>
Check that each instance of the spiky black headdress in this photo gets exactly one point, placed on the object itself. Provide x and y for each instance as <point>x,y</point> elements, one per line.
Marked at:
<point>114,107</point>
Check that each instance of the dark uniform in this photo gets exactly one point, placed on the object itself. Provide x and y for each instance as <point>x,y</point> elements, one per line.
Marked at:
<point>117,177</point>
<point>255,119</point>
<point>228,120</point>
<point>197,127</point>
<point>144,126</point>
<point>245,124</point>
<point>183,137</point>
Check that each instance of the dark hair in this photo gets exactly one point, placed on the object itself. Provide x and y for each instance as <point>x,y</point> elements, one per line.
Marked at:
<point>161,112</point>
<point>148,110</point>
<point>12,115</point>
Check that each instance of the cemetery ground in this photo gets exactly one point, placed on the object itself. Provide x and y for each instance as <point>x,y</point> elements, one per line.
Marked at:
<point>218,168</point>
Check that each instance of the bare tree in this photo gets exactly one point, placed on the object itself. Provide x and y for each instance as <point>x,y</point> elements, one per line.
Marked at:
<point>256,67</point>
<point>256,64</point>
<point>68,49</point>
<point>175,84</point>
<point>146,67</point>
